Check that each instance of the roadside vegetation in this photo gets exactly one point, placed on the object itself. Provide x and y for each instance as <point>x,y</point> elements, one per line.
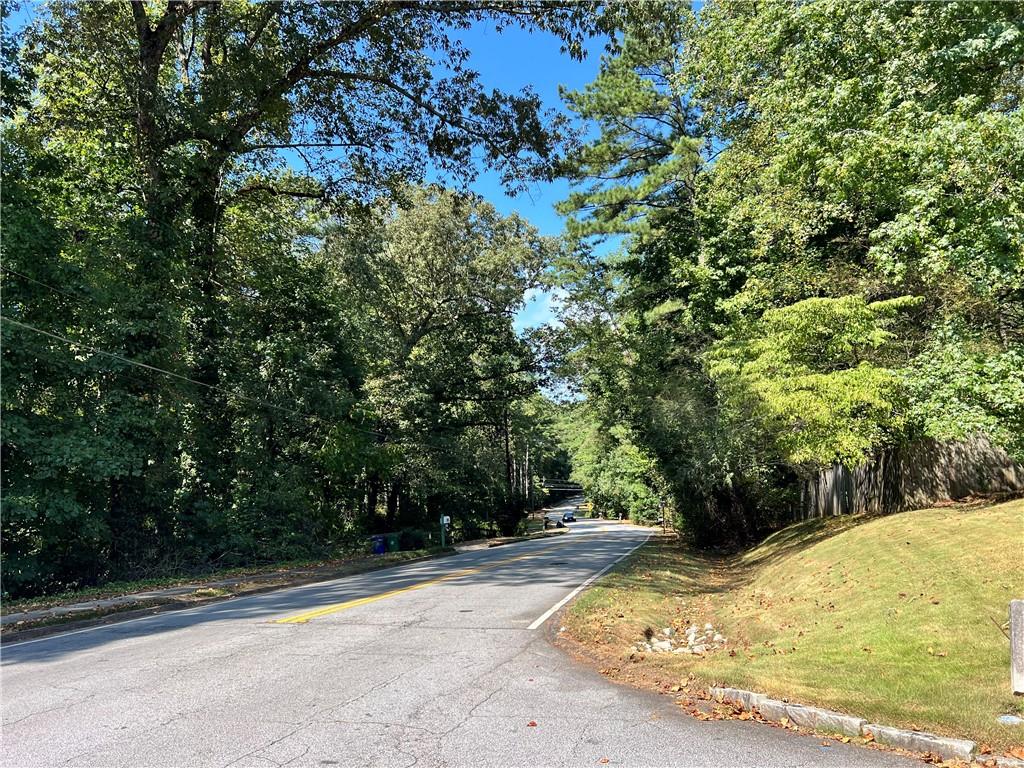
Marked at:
<point>253,314</point>
<point>282,571</point>
<point>817,253</point>
<point>238,324</point>
<point>897,619</point>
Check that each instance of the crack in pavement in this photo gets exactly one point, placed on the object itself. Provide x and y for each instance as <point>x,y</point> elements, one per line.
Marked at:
<point>266,746</point>
<point>68,705</point>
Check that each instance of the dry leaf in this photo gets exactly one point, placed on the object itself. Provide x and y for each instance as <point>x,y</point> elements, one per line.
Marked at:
<point>603,760</point>
<point>532,724</point>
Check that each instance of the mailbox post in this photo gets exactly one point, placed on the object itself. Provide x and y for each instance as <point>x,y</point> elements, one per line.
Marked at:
<point>445,522</point>
<point>1017,646</point>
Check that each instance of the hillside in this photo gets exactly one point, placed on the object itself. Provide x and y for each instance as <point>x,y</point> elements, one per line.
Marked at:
<point>895,619</point>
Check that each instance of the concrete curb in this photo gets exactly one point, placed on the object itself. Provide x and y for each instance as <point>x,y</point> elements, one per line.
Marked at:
<point>837,722</point>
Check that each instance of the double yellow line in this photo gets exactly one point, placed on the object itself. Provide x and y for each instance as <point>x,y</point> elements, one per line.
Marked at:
<point>316,613</point>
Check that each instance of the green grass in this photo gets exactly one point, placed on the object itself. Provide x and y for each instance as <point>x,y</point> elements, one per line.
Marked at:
<point>894,619</point>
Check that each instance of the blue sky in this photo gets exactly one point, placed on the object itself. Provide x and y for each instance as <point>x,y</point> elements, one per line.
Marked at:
<point>511,61</point>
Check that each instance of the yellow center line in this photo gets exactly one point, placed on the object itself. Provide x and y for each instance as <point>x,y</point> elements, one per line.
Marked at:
<point>302,618</point>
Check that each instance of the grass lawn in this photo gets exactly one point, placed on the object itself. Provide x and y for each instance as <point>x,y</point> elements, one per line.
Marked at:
<point>894,619</point>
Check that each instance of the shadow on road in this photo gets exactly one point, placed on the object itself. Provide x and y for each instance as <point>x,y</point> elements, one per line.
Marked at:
<point>564,560</point>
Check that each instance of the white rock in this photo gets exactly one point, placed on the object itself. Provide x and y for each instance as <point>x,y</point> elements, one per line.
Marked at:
<point>709,627</point>
<point>718,638</point>
<point>698,649</point>
<point>682,649</point>
<point>661,645</point>
<point>692,630</point>
<point>668,631</point>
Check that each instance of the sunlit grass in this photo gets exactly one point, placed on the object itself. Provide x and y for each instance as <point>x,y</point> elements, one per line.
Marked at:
<point>895,619</point>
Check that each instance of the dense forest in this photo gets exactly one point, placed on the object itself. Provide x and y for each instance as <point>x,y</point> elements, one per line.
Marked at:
<point>238,326</point>
<point>820,216</point>
<point>243,322</point>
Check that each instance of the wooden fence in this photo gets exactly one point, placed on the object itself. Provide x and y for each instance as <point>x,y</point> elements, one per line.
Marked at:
<point>913,476</point>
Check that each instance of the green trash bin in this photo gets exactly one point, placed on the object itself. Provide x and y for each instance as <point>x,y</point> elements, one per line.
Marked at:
<point>393,542</point>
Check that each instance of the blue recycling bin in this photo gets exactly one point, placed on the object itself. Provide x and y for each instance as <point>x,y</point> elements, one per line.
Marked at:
<point>380,544</point>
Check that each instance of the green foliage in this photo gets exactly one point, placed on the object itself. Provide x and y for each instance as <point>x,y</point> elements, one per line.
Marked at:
<point>959,389</point>
<point>175,176</point>
<point>618,478</point>
<point>809,376</point>
<point>647,152</point>
<point>850,154</point>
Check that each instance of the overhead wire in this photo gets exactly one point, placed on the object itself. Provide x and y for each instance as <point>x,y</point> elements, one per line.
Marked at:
<point>230,393</point>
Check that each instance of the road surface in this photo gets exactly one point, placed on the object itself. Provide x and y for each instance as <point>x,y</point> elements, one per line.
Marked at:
<point>438,663</point>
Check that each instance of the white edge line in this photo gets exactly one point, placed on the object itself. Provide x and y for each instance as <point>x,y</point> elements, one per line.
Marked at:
<point>590,580</point>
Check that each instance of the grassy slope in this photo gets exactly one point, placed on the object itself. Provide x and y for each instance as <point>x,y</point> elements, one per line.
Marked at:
<point>888,618</point>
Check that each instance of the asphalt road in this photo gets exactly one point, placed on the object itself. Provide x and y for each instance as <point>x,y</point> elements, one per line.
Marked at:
<point>437,663</point>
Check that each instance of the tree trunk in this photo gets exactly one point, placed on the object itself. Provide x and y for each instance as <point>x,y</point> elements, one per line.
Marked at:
<point>372,492</point>
<point>212,426</point>
<point>392,503</point>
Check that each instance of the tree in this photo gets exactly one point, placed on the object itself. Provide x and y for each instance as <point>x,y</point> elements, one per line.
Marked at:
<point>648,149</point>
<point>433,287</point>
<point>202,103</point>
<point>165,194</point>
<point>855,156</point>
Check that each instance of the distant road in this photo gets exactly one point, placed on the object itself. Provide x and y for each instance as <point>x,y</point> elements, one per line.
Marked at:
<point>438,663</point>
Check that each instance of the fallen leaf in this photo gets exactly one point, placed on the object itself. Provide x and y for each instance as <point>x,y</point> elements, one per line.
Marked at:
<point>603,760</point>
<point>985,749</point>
<point>784,721</point>
<point>1017,752</point>
<point>845,739</point>
<point>825,744</point>
<point>532,724</point>
<point>868,736</point>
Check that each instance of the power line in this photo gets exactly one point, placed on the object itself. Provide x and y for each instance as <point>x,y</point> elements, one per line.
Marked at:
<point>182,377</point>
<point>45,285</point>
<point>166,336</point>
